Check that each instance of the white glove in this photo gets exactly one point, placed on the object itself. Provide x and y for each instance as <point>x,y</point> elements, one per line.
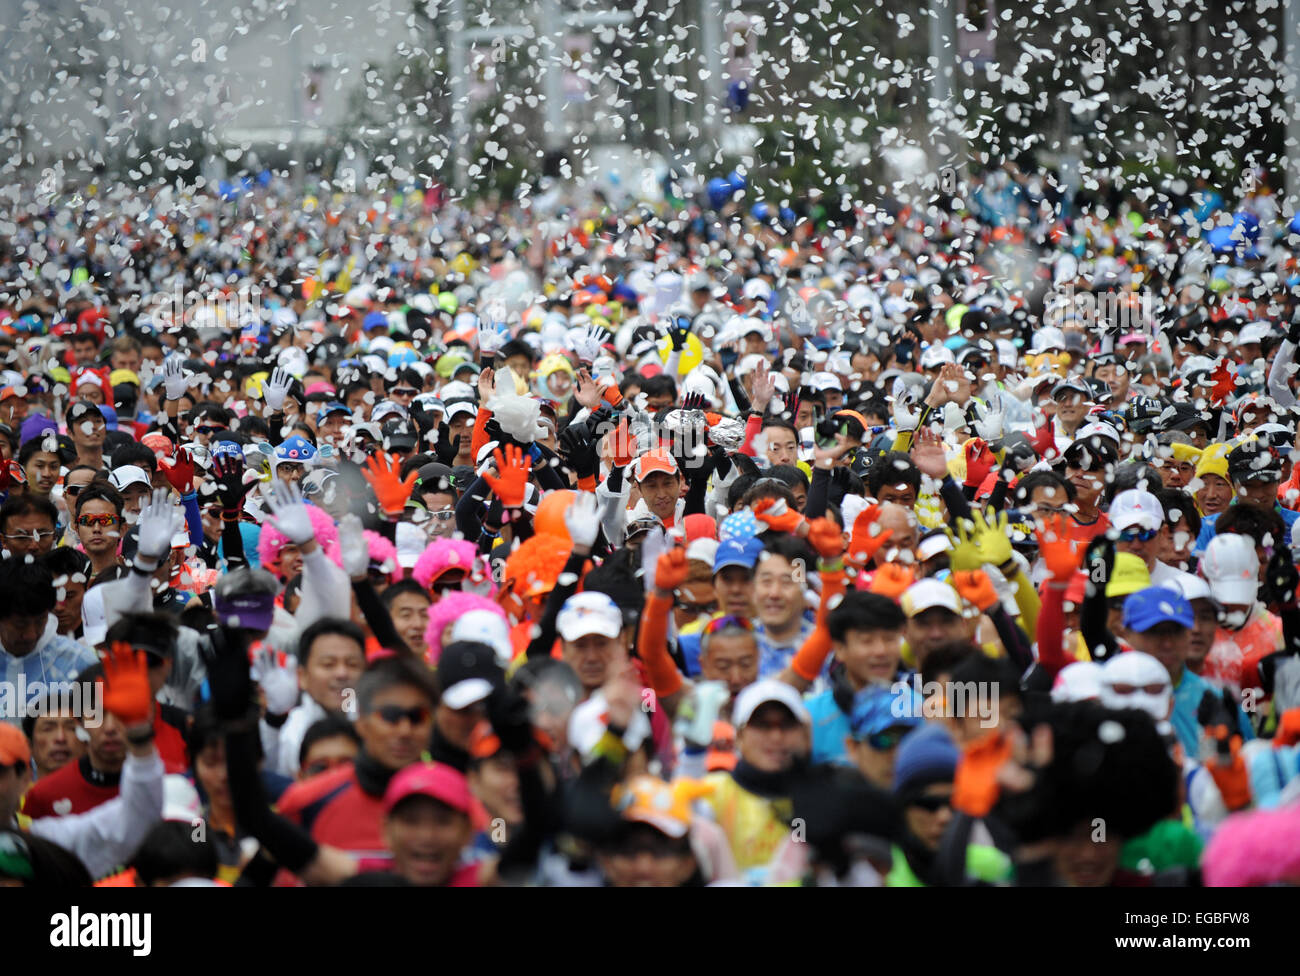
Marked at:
<point>904,419</point>
<point>588,345</point>
<point>489,339</point>
<point>279,681</point>
<point>699,710</point>
<point>159,521</point>
<point>582,518</point>
<point>289,513</point>
<point>990,426</point>
<point>276,388</point>
<point>174,377</point>
<point>353,547</point>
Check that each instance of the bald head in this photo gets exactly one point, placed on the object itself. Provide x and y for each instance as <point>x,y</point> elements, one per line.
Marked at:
<point>902,522</point>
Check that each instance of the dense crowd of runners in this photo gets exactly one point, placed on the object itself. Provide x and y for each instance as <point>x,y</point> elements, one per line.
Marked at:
<point>382,541</point>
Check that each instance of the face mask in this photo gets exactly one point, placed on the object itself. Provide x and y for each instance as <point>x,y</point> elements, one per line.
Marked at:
<point>1234,619</point>
<point>1130,681</point>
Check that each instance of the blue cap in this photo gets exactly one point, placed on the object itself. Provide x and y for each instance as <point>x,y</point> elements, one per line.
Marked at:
<point>296,450</point>
<point>877,709</point>
<point>374,320</point>
<point>737,552</point>
<point>925,756</point>
<point>331,408</point>
<point>1156,605</point>
<point>110,416</point>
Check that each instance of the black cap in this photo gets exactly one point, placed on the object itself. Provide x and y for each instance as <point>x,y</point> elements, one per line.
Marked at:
<point>468,673</point>
<point>398,435</point>
<point>1253,461</point>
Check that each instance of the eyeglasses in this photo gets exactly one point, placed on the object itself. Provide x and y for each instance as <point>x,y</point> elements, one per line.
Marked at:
<point>699,609</point>
<point>932,804</point>
<point>36,535</point>
<point>393,714</point>
<point>89,521</point>
<point>725,621</point>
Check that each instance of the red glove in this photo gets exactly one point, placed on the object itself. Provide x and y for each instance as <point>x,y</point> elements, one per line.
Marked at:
<point>1231,777</point>
<point>980,461</point>
<point>622,444</point>
<point>975,588</point>
<point>1060,554</point>
<point>1225,381</point>
<point>827,538</point>
<point>774,513</point>
<point>863,546</point>
<point>179,471</point>
<point>511,485</point>
<point>390,490</point>
<point>671,569</point>
<point>1044,440</point>
<point>126,685</point>
<point>891,580</point>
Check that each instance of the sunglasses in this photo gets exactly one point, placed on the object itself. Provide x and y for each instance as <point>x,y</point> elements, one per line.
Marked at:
<point>444,516</point>
<point>887,739</point>
<point>208,429</point>
<point>699,609</point>
<point>404,391</point>
<point>393,714</point>
<point>725,621</point>
<point>74,490</point>
<point>97,520</point>
<point>932,804</point>
<point>1138,535</point>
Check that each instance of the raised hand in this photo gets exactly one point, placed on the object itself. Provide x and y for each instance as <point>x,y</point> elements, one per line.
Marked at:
<point>510,484</point>
<point>928,454</point>
<point>993,538</point>
<point>589,344</point>
<point>279,681</point>
<point>486,384</point>
<point>582,519</point>
<point>175,382</point>
<point>391,491</point>
<point>827,538</point>
<point>671,570</point>
<point>587,391</point>
<point>1059,552</point>
<point>289,513</point>
<point>678,329</point>
<point>763,389</point>
<point>127,695</point>
<point>232,483</point>
<point>159,521</point>
<point>490,339</point>
<point>891,580</point>
<point>776,515</point>
<point>867,537</point>
<point>825,457</point>
<point>579,450</point>
<point>446,447</point>
<point>975,588</point>
<point>179,471</point>
<point>275,389</point>
<point>353,548</point>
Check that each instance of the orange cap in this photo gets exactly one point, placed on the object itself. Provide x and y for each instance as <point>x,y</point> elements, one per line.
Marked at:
<point>13,746</point>
<point>651,461</point>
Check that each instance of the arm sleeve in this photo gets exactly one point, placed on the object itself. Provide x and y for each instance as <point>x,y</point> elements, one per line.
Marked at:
<point>811,657</point>
<point>379,620</point>
<point>1012,637</point>
<point>652,645</point>
<point>109,835</point>
<point>1052,655</point>
<point>480,436</point>
<point>752,427</point>
<point>1279,375</point>
<point>193,519</point>
<point>1027,600</point>
<point>288,843</point>
<point>819,494</point>
<point>325,589</point>
<point>612,493</point>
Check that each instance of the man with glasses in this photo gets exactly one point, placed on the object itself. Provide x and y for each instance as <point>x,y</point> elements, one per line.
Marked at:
<point>1139,517</point>
<point>876,727</point>
<point>99,525</point>
<point>404,387</point>
<point>28,525</point>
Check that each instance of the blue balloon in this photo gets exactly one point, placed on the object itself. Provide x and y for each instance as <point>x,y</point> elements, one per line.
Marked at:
<point>1220,240</point>
<point>737,181</point>
<point>787,215</point>
<point>719,191</point>
<point>1294,226</point>
<point>760,211</point>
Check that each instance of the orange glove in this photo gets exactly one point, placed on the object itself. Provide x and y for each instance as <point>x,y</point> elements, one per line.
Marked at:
<point>863,545</point>
<point>622,444</point>
<point>614,397</point>
<point>1231,779</point>
<point>511,484</point>
<point>671,569</point>
<point>827,538</point>
<point>390,490</point>
<point>975,588</point>
<point>1288,729</point>
<point>891,580</point>
<point>1060,553</point>
<point>127,694</point>
<point>975,787</point>
<point>775,514</point>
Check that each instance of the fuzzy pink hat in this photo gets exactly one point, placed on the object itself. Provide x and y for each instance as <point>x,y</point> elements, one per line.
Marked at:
<point>383,554</point>
<point>1257,848</point>
<point>271,541</point>
<point>450,608</point>
<point>442,555</point>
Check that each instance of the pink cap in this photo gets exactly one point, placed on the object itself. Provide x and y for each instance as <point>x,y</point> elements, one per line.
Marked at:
<point>320,386</point>
<point>436,780</point>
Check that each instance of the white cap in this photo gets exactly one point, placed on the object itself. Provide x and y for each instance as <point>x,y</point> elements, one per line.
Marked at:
<point>1007,354</point>
<point>1098,428</point>
<point>1193,587</point>
<point>932,545</point>
<point>180,800</point>
<point>937,356</point>
<point>589,613</point>
<point>747,364</point>
<point>762,692</point>
<point>1255,332</point>
<point>128,475</point>
<point>825,381</point>
<point>927,594</point>
<point>703,550</point>
<point>1136,507</point>
<point>1231,566</point>
<point>1048,338</point>
<point>757,289</point>
<point>1080,681</point>
<point>588,723</point>
<point>485,627</point>
<point>411,541</point>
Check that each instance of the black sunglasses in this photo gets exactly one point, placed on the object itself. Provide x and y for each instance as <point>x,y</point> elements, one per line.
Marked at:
<point>393,714</point>
<point>932,804</point>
